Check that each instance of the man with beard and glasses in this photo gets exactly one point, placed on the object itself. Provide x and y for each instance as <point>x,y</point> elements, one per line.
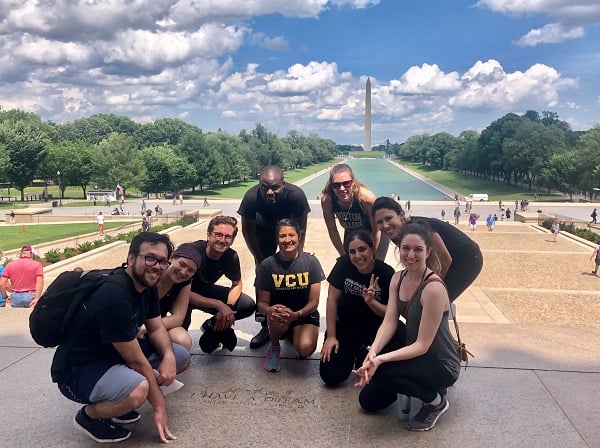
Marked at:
<point>103,365</point>
<point>261,209</point>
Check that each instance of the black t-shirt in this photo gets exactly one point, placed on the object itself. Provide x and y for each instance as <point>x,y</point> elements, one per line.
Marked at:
<point>351,305</point>
<point>289,282</point>
<point>168,300</point>
<point>454,239</point>
<point>291,203</point>
<point>212,270</point>
<point>111,314</point>
<point>351,218</point>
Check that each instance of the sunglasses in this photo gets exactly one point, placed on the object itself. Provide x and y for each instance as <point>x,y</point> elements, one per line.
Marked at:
<point>346,184</point>
<point>265,187</point>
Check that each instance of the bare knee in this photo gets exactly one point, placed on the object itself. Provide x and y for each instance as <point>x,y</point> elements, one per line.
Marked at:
<point>139,395</point>
<point>306,348</point>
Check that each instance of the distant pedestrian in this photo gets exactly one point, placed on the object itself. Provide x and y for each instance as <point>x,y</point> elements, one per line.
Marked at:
<point>408,205</point>
<point>508,214</point>
<point>180,198</point>
<point>26,277</point>
<point>594,215</point>
<point>145,224</point>
<point>443,214</point>
<point>456,215</point>
<point>596,257</point>
<point>143,206</point>
<point>490,221</point>
<point>473,221</point>
<point>12,216</point>
<point>499,205</point>
<point>555,229</point>
<point>100,219</point>
<point>206,204</point>
<point>106,200</point>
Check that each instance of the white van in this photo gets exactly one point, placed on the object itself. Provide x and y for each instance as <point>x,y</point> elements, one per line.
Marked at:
<point>478,197</point>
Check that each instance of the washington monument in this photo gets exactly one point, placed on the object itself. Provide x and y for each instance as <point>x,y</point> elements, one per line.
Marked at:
<point>367,144</point>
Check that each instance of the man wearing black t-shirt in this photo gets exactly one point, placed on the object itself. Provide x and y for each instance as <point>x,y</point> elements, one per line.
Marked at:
<point>103,364</point>
<point>261,208</point>
<point>225,304</point>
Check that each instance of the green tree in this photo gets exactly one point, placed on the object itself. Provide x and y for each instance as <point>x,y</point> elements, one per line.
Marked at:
<point>24,138</point>
<point>73,161</point>
<point>117,159</point>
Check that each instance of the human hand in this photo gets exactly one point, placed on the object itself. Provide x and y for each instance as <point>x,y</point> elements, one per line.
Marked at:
<point>166,372</point>
<point>225,318</point>
<point>160,421</point>
<point>328,345</point>
<point>369,293</point>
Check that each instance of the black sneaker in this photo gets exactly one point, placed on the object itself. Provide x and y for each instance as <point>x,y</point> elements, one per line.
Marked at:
<point>102,431</point>
<point>208,341</point>
<point>261,338</point>
<point>427,416</point>
<point>126,419</point>
<point>228,339</point>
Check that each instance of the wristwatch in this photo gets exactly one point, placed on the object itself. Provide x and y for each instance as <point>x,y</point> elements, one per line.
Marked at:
<point>301,315</point>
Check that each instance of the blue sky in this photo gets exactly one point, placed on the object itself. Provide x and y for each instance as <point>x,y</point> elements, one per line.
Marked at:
<point>435,65</point>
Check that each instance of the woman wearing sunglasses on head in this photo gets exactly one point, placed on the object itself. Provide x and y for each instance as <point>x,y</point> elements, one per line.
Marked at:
<point>350,201</point>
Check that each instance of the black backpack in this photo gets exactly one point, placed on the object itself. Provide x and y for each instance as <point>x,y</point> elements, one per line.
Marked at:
<point>50,319</point>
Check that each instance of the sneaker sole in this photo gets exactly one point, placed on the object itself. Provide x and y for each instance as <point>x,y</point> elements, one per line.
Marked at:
<point>126,422</point>
<point>434,422</point>
<point>271,370</point>
<point>91,436</point>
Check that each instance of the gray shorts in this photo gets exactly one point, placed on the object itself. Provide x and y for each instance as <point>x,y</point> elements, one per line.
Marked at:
<point>111,382</point>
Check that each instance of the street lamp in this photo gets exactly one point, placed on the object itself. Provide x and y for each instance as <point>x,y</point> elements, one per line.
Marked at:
<point>59,190</point>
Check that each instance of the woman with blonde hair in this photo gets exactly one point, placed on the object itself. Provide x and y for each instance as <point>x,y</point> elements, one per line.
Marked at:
<point>350,201</point>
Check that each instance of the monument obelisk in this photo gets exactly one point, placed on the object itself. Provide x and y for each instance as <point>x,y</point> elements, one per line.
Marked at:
<point>367,143</point>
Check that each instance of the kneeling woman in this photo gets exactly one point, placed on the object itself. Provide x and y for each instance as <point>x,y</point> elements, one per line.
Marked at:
<point>174,289</point>
<point>428,362</point>
<point>289,284</point>
<point>356,302</point>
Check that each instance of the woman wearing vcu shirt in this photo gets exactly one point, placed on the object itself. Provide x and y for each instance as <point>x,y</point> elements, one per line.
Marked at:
<point>356,303</point>
<point>289,284</point>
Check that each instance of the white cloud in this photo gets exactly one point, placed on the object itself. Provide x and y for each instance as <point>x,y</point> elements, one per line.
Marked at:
<point>551,33</point>
<point>567,11</point>
<point>277,43</point>
<point>486,85</point>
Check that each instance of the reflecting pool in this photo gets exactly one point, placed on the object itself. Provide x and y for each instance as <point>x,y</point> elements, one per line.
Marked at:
<point>383,178</point>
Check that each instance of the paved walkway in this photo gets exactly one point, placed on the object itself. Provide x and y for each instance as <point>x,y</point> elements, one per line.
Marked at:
<point>531,318</point>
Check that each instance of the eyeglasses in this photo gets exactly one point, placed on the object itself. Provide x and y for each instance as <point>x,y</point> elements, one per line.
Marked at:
<point>222,236</point>
<point>346,184</point>
<point>150,260</point>
<point>265,187</point>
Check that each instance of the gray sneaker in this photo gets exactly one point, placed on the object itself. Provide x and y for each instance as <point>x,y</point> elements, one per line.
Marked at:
<point>427,416</point>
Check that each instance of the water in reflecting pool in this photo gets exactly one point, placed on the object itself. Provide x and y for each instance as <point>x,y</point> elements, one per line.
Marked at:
<point>383,178</point>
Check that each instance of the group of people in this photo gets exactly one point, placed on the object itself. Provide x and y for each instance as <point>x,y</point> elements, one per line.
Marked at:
<point>128,343</point>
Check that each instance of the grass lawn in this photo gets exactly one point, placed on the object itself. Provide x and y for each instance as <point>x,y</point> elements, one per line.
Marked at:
<point>465,185</point>
<point>13,237</point>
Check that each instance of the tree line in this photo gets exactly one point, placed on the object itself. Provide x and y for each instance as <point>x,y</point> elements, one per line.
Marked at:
<point>529,150</point>
<point>167,155</point>
<point>170,155</point>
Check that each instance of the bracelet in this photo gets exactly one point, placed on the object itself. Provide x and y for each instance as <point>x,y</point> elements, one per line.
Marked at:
<point>301,315</point>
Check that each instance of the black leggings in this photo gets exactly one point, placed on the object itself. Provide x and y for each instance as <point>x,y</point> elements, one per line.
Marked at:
<point>463,271</point>
<point>352,349</point>
<point>420,377</point>
<point>245,305</point>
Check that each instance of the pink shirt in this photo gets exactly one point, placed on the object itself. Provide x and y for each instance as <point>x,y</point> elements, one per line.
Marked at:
<point>23,273</point>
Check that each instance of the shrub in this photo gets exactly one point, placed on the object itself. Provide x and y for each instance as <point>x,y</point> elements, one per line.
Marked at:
<point>69,252</point>
<point>86,246</point>
<point>52,256</point>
